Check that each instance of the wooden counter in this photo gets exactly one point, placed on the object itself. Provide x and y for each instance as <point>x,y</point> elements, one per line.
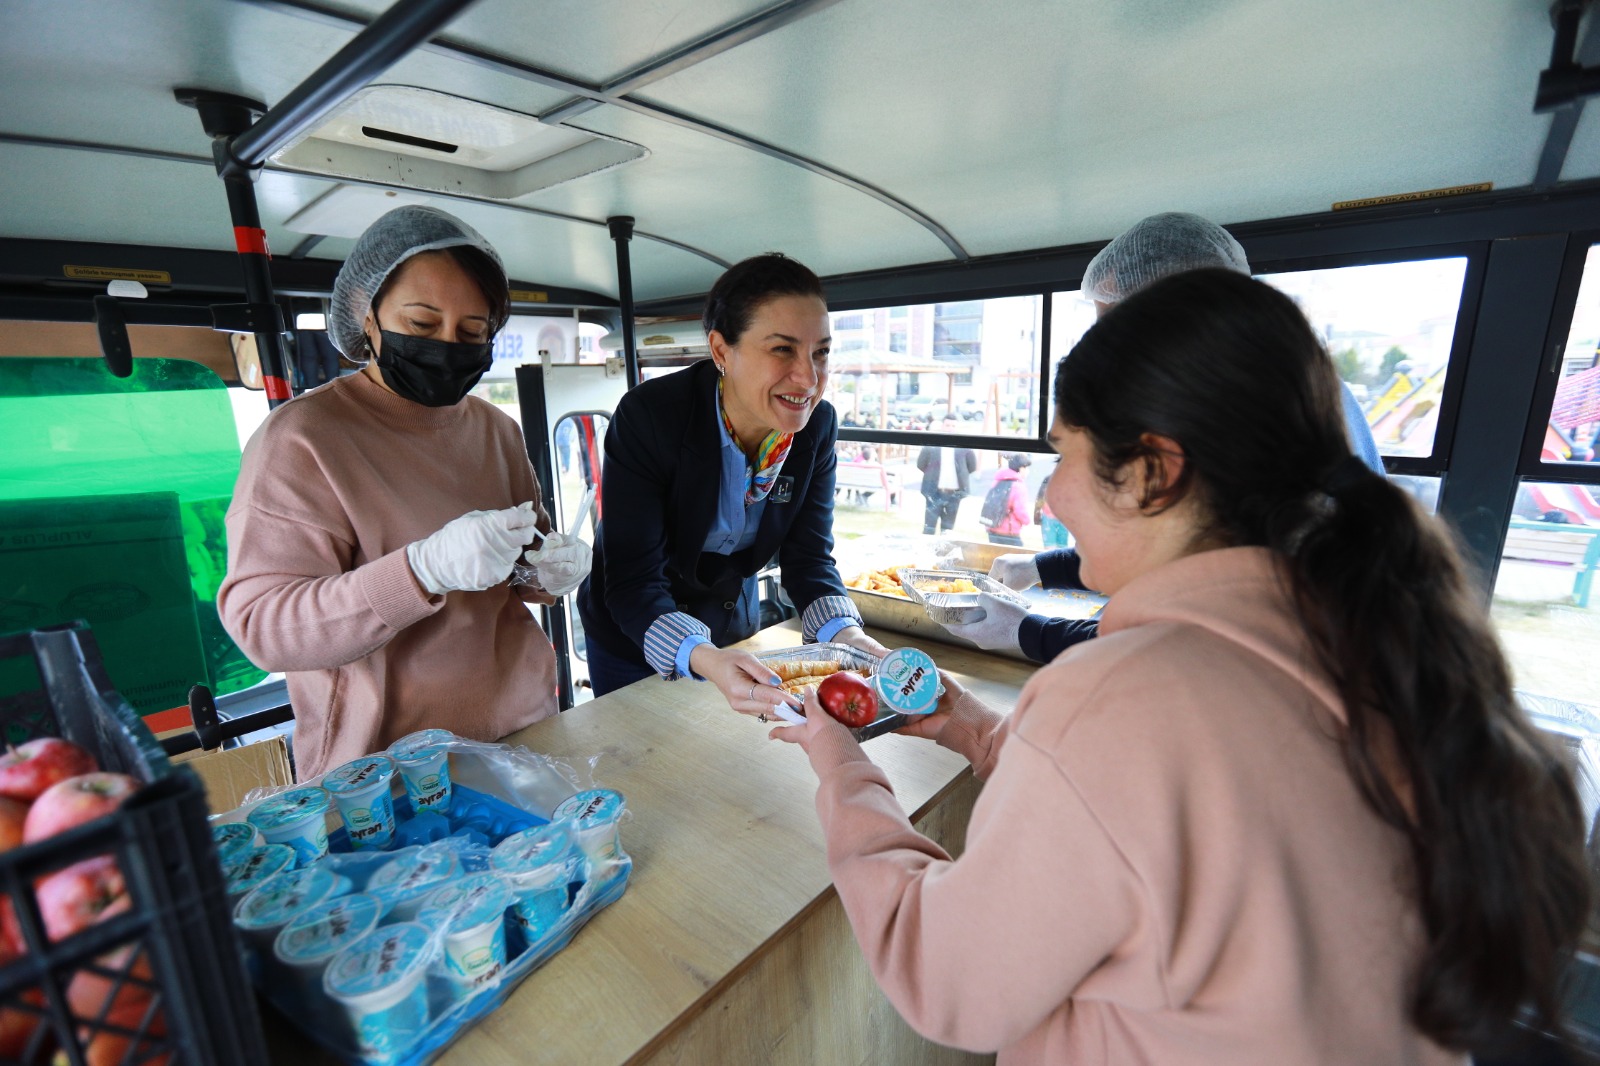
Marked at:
<point>730,945</point>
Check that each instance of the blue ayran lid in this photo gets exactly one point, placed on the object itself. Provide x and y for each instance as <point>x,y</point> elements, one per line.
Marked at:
<point>420,745</point>
<point>256,865</point>
<point>327,927</point>
<point>232,838</point>
<point>467,904</point>
<point>282,896</point>
<point>359,775</point>
<point>289,808</point>
<point>544,847</point>
<point>907,681</point>
<point>409,876</point>
<point>596,807</point>
<point>380,960</point>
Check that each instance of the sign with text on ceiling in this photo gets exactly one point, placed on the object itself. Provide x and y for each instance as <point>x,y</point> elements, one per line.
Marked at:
<point>525,336</point>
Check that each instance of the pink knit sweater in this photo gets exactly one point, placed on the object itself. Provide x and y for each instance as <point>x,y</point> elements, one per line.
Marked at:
<point>333,487</point>
<point>1169,862</point>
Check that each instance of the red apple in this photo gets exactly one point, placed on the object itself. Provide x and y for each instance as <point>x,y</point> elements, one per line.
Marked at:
<point>12,815</point>
<point>82,894</point>
<point>87,996</point>
<point>11,942</point>
<point>75,801</point>
<point>111,1049</point>
<point>17,1026</point>
<point>25,772</point>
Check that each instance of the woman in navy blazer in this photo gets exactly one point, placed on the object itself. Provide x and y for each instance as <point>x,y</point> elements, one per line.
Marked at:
<point>711,473</point>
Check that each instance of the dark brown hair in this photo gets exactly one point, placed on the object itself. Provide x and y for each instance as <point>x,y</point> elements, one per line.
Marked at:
<point>745,286</point>
<point>483,270</point>
<point>1229,368</point>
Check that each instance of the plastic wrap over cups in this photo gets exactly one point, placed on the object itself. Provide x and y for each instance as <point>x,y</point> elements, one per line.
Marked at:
<point>387,243</point>
<point>385,947</point>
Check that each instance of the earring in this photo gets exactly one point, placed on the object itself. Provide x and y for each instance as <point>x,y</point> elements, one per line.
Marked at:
<point>722,371</point>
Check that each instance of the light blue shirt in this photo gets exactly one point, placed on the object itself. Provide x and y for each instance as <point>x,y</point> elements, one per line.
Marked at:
<point>1360,434</point>
<point>673,637</point>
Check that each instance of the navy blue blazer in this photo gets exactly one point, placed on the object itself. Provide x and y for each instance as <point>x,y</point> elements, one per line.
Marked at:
<point>663,460</point>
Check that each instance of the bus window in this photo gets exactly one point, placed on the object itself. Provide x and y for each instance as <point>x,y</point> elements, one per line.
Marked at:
<point>1572,425</point>
<point>112,496</point>
<point>907,367</point>
<point>878,490</point>
<point>1389,328</point>
<point>1546,605</point>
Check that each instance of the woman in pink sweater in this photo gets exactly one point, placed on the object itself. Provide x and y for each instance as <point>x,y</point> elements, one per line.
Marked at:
<point>1285,809</point>
<point>377,518</point>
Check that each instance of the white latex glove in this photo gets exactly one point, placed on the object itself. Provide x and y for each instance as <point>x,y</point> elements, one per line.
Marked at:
<point>1017,570</point>
<point>998,628</point>
<point>473,552</point>
<point>560,563</point>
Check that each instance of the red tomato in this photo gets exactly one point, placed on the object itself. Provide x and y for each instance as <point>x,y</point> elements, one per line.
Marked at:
<point>848,698</point>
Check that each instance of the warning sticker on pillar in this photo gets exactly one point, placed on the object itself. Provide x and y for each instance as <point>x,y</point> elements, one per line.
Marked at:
<point>276,388</point>
<point>250,239</point>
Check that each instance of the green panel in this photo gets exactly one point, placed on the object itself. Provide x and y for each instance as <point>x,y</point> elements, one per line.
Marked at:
<point>69,432</point>
<point>117,562</point>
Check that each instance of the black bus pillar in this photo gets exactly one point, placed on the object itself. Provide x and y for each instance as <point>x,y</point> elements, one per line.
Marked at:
<point>621,227</point>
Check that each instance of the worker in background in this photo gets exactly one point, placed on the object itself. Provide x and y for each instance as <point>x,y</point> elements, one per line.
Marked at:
<point>1153,248</point>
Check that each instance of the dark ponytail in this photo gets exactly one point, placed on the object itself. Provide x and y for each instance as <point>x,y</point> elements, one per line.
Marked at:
<point>1229,369</point>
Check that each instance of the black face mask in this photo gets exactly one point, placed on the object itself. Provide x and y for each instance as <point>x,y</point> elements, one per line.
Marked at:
<point>432,373</point>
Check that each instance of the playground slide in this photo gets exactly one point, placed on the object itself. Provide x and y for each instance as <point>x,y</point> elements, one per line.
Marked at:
<point>1399,418</point>
<point>1573,501</point>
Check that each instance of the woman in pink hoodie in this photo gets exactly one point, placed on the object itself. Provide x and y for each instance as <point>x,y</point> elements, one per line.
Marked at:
<point>1285,809</point>
<point>1006,527</point>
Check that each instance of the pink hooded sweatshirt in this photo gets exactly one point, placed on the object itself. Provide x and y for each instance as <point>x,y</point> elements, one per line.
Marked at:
<point>333,487</point>
<point>1169,862</point>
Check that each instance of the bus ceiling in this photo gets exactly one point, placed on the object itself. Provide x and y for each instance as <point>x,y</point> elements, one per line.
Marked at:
<point>864,142</point>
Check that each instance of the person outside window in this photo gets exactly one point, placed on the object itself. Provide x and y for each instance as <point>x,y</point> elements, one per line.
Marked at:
<point>1008,530</point>
<point>946,481</point>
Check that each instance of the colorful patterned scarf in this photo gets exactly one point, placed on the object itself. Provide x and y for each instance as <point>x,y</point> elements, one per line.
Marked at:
<point>759,475</point>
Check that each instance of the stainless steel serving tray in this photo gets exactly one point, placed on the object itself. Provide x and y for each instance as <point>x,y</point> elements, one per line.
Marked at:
<point>903,615</point>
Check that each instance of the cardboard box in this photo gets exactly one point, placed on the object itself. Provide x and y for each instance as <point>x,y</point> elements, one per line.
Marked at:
<point>231,772</point>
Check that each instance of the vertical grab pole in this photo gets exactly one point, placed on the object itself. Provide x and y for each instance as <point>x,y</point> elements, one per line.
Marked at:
<point>224,116</point>
<point>621,228</point>
<point>251,241</point>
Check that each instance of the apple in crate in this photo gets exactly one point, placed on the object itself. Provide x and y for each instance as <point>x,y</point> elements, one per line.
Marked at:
<point>27,771</point>
<point>130,1005</point>
<point>12,815</point>
<point>82,894</point>
<point>75,801</point>
<point>17,1025</point>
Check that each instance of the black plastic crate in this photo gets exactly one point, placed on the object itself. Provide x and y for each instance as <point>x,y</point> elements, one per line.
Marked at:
<point>175,950</point>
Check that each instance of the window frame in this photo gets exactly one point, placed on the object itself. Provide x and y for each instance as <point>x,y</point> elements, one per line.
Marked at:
<point>1530,465</point>
<point>1476,253</point>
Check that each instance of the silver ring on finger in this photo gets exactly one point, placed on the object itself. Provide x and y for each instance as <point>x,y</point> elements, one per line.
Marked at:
<point>752,695</point>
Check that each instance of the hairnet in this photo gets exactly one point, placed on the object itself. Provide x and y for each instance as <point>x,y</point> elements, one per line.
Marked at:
<point>388,242</point>
<point>1155,247</point>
